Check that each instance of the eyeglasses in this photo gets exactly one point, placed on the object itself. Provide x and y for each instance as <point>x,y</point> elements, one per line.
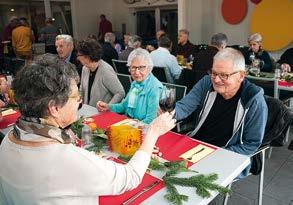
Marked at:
<point>222,76</point>
<point>139,68</point>
<point>78,97</point>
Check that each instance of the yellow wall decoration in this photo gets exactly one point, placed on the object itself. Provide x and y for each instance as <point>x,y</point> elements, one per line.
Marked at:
<point>273,19</point>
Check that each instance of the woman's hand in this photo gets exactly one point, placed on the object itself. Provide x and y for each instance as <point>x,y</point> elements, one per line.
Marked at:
<point>163,123</point>
<point>286,67</point>
<point>159,126</point>
<point>102,106</point>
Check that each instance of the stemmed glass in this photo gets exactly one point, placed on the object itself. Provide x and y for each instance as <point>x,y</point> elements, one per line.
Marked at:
<point>167,99</point>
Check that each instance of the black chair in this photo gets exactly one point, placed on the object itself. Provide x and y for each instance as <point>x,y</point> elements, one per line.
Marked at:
<point>279,119</point>
<point>190,77</point>
<point>12,65</point>
<point>160,73</point>
<point>180,90</point>
<point>120,66</point>
<point>125,80</point>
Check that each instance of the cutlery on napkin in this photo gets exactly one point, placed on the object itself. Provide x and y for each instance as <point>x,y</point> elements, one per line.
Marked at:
<point>197,153</point>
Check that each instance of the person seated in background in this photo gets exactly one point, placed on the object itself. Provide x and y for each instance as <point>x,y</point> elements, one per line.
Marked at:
<point>65,50</point>
<point>256,56</point>
<point>286,60</point>
<point>4,88</point>
<point>184,47</point>
<point>39,146</point>
<point>134,42</point>
<point>231,111</point>
<point>159,33</point>
<point>142,100</point>
<point>48,36</point>
<point>109,51</point>
<point>98,79</point>
<point>163,58</point>
<point>204,59</point>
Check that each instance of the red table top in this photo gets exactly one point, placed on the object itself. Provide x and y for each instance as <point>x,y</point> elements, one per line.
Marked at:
<point>9,120</point>
<point>166,143</point>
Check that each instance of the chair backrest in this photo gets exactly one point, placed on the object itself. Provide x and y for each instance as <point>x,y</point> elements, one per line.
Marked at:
<point>279,119</point>
<point>160,73</point>
<point>190,77</point>
<point>180,90</point>
<point>120,66</point>
<point>268,86</point>
<point>125,80</point>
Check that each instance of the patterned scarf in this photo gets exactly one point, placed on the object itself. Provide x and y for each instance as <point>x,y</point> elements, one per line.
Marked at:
<point>41,130</point>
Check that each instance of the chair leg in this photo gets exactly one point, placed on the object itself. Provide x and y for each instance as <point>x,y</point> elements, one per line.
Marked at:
<point>227,195</point>
<point>270,152</point>
<point>261,179</point>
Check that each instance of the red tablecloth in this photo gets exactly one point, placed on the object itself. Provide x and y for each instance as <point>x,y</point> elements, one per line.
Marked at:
<point>9,119</point>
<point>171,144</point>
<point>118,199</point>
<point>285,83</point>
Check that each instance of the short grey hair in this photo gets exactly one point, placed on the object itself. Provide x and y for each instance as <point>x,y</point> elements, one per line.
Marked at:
<point>234,55</point>
<point>66,38</point>
<point>109,37</point>
<point>141,54</point>
<point>185,31</point>
<point>220,40</point>
<point>134,41</point>
<point>255,37</point>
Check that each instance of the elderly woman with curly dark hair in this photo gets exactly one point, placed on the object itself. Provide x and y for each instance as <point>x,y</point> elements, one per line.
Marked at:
<point>39,165</point>
<point>98,79</point>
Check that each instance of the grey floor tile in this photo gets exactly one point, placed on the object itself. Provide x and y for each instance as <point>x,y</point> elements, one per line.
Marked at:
<point>245,188</point>
<point>240,200</point>
<point>281,186</point>
<point>268,200</point>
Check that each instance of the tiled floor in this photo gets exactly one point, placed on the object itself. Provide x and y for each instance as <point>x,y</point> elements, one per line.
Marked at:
<point>278,181</point>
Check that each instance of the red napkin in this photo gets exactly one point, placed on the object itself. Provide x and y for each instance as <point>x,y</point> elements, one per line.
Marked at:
<point>170,140</point>
<point>119,199</point>
<point>9,119</point>
<point>106,119</point>
<point>284,83</point>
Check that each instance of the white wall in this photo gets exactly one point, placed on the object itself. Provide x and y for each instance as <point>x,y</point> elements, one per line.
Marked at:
<point>202,18</point>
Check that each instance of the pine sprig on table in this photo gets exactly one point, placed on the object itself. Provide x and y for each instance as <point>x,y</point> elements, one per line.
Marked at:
<point>98,144</point>
<point>202,183</point>
<point>77,126</point>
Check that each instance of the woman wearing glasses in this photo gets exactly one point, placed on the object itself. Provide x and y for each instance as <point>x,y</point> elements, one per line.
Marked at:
<point>142,99</point>
<point>98,79</point>
<point>39,165</point>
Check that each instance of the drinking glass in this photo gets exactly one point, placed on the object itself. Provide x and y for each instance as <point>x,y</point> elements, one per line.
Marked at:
<point>167,99</point>
<point>86,135</point>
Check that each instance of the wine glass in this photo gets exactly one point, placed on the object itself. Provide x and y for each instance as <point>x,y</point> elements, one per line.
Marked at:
<point>167,99</point>
<point>86,136</point>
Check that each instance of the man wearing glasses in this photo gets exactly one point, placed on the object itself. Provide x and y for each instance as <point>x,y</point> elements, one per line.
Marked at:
<point>232,112</point>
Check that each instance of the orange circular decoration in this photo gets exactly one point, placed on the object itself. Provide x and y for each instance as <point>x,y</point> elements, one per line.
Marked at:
<point>234,11</point>
<point>255,1</point>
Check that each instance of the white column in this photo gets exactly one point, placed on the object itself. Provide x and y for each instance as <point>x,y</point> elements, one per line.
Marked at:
<point>48,11</point>
<point>75,28</point>
<point>182,14</point>
<point>158,19</point>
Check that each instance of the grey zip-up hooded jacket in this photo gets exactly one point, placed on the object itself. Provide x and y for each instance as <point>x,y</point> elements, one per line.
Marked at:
<point>250,117</point>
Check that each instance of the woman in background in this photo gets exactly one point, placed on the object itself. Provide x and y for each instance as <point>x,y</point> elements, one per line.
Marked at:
<point>99,81</point>
<point>255,53</point>
<point>142,100</point>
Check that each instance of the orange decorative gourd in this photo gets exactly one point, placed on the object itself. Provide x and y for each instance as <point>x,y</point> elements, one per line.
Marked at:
<point>124,139</point>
